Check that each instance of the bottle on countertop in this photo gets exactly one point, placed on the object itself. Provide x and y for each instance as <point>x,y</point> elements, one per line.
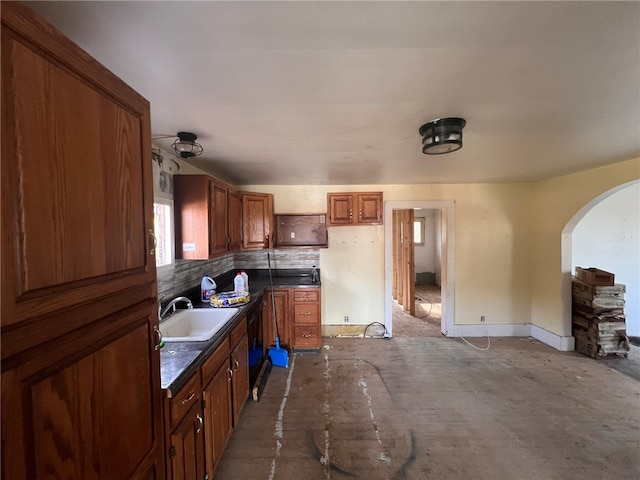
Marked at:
<point>238,283</point>
<point>207,288</point>
<point>245,277</point>
<point>314,275</point>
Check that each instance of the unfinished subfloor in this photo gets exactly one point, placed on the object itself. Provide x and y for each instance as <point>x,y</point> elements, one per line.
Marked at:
<point>435,408</point>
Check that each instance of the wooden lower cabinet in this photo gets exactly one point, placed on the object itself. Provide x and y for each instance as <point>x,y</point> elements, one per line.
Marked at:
<point>282,309</point>
<point>217,415</point>
<point>219,390</point>
<point>240,380</point>
<point>306,318</point>
<point>88,414</point>
<point>186,446</point>
<point>298,313</point>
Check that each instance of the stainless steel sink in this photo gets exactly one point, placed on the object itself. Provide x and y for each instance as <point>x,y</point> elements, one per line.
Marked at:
<point>195,325</point>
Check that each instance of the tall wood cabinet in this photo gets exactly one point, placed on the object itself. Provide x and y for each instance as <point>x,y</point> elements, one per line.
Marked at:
<point>81,396</point>
<point>358,208</point>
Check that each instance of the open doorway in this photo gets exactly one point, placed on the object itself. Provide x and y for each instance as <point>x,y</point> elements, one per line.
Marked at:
<point>417,257</point>
<point>433,290</point>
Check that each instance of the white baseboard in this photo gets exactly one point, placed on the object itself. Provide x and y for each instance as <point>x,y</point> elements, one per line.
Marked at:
<point>507,330</point>
<point>564,344</point>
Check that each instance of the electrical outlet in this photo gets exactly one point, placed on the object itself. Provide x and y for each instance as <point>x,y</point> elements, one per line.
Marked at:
<point>482,318</point>
<point>346,318</point>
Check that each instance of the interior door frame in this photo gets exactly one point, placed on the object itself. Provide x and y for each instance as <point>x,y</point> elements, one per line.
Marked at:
<point>447,210</point>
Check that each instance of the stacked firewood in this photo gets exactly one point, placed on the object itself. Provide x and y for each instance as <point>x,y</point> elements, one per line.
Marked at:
<point>598,319</point>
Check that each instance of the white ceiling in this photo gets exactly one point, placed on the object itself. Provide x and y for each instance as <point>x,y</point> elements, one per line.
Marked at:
<point>334,92</point>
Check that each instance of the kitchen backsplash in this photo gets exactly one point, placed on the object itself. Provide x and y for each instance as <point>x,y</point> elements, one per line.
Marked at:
<point>188,273</point>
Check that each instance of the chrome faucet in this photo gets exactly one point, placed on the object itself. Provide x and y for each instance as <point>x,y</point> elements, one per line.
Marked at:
<point>172,306</point>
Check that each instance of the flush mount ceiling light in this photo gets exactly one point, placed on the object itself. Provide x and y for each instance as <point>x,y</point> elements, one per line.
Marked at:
<point>443,135</point>
<point>186,145</point>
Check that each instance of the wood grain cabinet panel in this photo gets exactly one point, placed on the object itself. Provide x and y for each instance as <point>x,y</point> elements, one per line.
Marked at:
<point>219,226</point>
<point>240,381</point>
<point>257,220</point>
<point>81,396</point>
<point>217,415</point>
<point>282,309</point>
<point>86,413</point>
<point>235,220</point>
<point>186,454</point>
<point>358,208</point>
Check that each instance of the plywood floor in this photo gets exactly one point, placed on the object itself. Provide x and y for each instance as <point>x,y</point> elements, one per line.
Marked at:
<point>434,408</point>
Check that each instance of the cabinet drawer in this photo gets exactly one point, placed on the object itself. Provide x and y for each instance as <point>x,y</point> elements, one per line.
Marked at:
<point>305,295</point>
<point>187,397</point>
<point>307,336</point>
<point>217,358</point>
<point>305,313</point>
<point>238,331</point>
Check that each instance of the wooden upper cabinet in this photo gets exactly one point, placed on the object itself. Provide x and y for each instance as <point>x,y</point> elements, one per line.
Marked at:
<point>358,208</point>
<point>219,223</point>
<point>77,194</point>
<point>257,220</point>
<point>192,198</point>
<point>235,220</point>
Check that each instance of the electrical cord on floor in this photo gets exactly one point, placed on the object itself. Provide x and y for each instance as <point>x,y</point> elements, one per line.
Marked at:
<point>430,306</point>
<point>477,348</point>
<point>385,334</point>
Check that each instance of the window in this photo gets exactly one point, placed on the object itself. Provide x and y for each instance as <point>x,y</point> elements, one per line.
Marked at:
<point>418,231</point>
<point>163,227</point>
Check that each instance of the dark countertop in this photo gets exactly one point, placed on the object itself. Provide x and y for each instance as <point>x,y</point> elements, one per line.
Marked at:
<point>180,360</point>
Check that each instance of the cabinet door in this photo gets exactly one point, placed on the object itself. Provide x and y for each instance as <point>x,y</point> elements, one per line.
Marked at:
<point>257,220</point>
<point>186,447</point>
<point>240,383</point>
<point>218,218</point>
<point>192,201</point>
<point>370,208</point>
<point>281,299</point>
<point>340,206</point>
<point>86,413</point>
<point>76,183</point>
<point>235,220</point>
<point>217,415</point>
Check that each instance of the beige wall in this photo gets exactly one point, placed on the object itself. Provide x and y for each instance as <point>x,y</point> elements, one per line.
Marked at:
<point>555,203</point>
<point>491,251</point>
<point>508,261</point>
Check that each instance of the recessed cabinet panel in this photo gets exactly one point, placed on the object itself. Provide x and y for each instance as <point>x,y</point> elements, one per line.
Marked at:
<point>301,230</point>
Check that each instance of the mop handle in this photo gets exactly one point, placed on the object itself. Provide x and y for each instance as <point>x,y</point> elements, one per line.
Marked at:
<point>273,298</point>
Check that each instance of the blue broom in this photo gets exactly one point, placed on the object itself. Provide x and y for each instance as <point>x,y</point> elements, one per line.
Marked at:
<point>279,356</point>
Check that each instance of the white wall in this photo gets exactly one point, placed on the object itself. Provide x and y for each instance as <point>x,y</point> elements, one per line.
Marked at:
<point>608,237</point>
<point>426,256</point>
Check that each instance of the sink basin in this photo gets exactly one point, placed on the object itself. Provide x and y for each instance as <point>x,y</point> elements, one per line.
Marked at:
<point>195,325</point>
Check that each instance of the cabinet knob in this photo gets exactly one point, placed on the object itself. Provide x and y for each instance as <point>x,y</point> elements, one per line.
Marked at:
<point>229,374</point>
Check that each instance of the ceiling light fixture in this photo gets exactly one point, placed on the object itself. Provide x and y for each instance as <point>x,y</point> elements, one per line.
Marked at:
<point>186,145</point>
<point>443,135</point>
